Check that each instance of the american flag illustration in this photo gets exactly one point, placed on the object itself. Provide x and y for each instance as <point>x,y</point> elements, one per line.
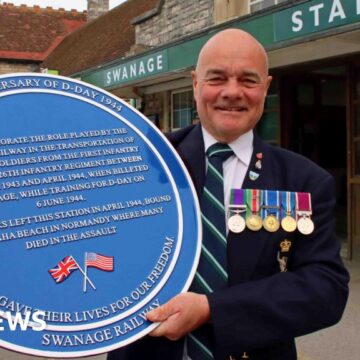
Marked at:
<point>63,269</point>
<point>99,261</point>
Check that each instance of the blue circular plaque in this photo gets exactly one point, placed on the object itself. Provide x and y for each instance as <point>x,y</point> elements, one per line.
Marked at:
<point>99,220</point>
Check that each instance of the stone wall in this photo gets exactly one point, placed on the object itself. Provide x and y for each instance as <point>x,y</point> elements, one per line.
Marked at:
<point>175,19</point>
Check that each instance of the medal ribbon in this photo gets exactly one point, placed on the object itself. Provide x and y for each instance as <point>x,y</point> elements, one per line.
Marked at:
<point>237,198</point>
<point>303,203</point>
<point>288,204</point>
<point>248,202</point>
<point>271,203</point>
<point>253,200</point>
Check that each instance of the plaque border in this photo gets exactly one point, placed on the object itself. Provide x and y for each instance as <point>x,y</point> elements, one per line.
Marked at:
<point>142,303</point>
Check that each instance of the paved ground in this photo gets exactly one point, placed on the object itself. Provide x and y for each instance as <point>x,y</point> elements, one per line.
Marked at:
<point>342,341</point>
<point>338,342</point>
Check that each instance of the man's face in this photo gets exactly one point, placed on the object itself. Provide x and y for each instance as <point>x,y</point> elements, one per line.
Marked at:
<point>230,86</point>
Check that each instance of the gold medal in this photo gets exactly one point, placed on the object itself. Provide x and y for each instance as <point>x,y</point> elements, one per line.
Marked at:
<point>305,225</point>
<point>271,223</point>
<point>254,222</point>
<point>254,202</point>
<point>236,223</point>
<point>288,223</point>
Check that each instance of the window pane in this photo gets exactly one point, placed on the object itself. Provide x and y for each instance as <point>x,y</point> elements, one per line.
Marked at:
<point>333,92</point>
<point>357,120</point>
<point>185,100</point>
<point>357,84</point>
<point>355,212</point>
<point>357,158</point>
<point>306,94</point>
<point>182,118</point>
<point>182,109</point>
<point>271,101</point>
<point>176,119</point>
<point>268,126</point>
<point>176,101</point>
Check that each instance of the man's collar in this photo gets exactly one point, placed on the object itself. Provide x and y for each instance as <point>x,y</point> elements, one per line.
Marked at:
<point>242,146</point>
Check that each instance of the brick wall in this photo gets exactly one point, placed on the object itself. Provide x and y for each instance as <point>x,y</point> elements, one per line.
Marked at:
<point>7,67</point>
<point>177,18</point>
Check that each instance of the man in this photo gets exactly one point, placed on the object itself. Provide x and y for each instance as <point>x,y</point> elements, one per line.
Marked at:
<point>268,300</point>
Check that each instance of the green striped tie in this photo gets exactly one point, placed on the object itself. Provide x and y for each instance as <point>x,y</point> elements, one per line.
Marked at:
<point>212,270</point>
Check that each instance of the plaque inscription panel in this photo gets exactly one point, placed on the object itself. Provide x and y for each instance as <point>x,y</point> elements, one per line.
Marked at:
<point>99,221</point>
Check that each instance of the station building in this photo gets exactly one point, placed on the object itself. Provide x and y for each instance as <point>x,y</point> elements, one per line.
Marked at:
<point>144,51</point>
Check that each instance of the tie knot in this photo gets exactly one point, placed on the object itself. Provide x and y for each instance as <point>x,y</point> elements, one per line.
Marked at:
<point>222,151</point>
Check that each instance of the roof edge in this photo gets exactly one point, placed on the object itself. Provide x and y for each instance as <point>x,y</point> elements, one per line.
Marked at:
<point>37,9</point>
<point>148,14</point>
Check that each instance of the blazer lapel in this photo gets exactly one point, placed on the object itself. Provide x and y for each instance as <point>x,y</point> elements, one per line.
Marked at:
<point>191,150</point>
<point>263,174</point>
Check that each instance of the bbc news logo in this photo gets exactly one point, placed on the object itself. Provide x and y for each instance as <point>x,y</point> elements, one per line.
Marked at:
<point>32,320</point>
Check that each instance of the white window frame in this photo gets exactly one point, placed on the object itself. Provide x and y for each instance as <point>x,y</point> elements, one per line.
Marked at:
<point>175,92</point>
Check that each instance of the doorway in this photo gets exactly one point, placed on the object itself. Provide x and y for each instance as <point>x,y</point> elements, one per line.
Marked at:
<point>314,125</point>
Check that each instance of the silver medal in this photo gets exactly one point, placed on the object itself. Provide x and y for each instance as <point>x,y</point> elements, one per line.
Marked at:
<point>236,223</point>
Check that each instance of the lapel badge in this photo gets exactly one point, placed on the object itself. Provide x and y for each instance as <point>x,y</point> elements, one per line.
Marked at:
<point>258,164</point>
<point>285,246</point>
<point>282,260</point>
<point>253,175</point>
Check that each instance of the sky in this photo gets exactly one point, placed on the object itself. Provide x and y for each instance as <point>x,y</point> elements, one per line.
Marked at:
<point>66,4</point>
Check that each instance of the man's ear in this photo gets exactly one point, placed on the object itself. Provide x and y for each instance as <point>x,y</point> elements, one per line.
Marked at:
<point>194,82</point>
<point>267,85</point>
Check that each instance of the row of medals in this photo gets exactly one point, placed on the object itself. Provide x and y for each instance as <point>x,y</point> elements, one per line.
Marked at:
<point>271,223</point>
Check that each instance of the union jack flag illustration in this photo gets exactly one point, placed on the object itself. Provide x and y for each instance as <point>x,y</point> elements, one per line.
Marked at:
<point>63,269</point>
<point>99,261</point>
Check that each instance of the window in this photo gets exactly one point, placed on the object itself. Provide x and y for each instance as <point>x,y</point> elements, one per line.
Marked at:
<point>182,108</point>
<point>256,5</point>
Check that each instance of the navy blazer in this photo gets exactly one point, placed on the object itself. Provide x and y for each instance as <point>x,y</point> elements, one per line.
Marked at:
<point>264,309</point>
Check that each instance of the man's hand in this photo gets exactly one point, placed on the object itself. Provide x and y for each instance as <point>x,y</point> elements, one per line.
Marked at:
<point>180,315</point>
